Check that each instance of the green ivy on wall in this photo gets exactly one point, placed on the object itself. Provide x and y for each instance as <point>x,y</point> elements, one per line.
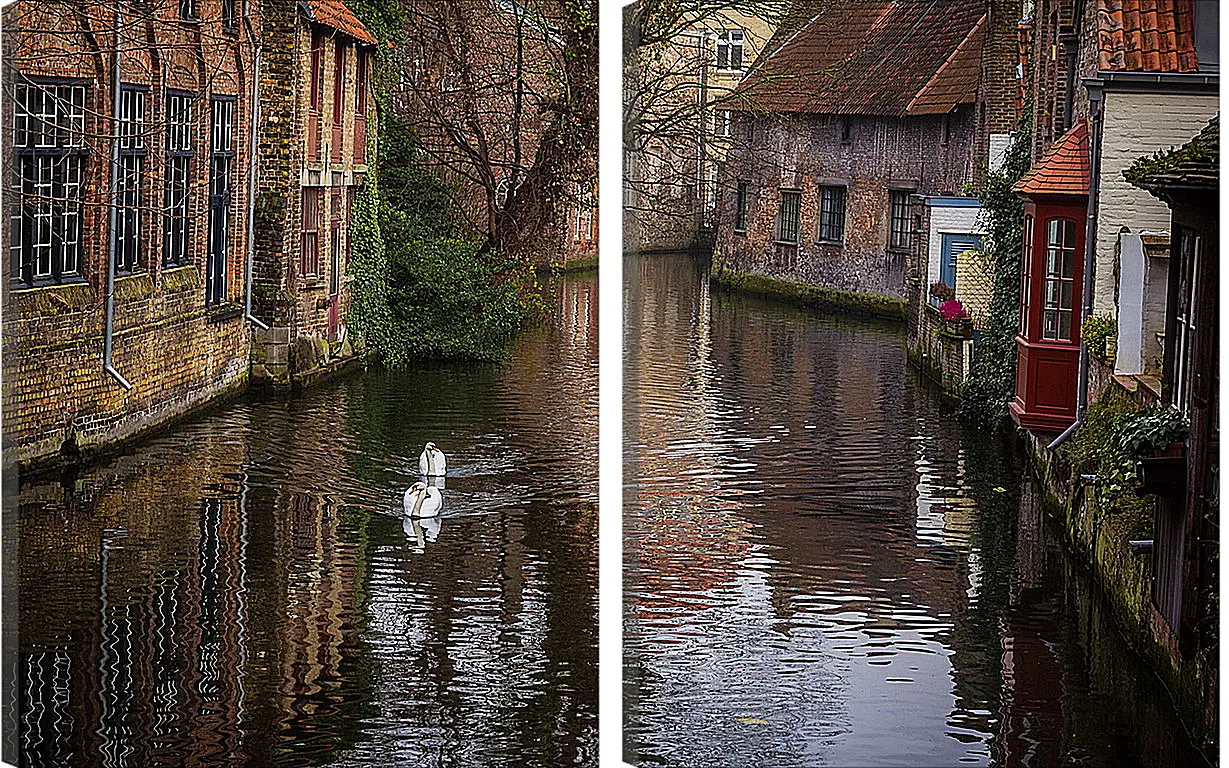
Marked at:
<point>992,374</point>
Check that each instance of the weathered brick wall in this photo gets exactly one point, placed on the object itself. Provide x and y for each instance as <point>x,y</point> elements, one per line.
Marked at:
<point>804,151</point>
<point>997,108</point>
<point>296,305</point>
<point>177,353</point>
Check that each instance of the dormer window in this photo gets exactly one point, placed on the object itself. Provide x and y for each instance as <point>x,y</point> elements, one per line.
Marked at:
<point>730,44</point>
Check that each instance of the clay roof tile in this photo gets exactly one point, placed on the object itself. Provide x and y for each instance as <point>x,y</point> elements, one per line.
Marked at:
<point>1064,169</point>
<point>335,14</point>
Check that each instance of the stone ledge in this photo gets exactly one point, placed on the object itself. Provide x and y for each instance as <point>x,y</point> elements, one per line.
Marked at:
<point>832,299</point>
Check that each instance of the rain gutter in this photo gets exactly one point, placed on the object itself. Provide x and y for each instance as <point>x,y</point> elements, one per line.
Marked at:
<point>251,244</point>
<point>108,345</point>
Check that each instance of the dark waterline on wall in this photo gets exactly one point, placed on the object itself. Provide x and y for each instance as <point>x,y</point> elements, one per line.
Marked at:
<point>244,590</point>
<point>822,567</point>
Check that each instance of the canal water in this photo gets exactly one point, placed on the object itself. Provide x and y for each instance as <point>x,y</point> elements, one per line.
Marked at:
<point>823,569</point>
<point>244,591</point>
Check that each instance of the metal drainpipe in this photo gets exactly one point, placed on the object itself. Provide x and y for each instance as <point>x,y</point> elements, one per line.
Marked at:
<point>251,245</point>
<point>1095,95</point>
<point>115,119</point>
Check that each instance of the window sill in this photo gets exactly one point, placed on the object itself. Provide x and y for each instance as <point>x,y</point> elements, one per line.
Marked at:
<point>44,285</point>
<point>222,312</point>
<point>741,232</point>
<point>786,242</point>
<point>832,243</point>
<point>311,284</point>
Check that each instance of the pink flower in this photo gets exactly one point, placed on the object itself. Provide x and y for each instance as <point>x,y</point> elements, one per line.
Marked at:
<point>952,310</point>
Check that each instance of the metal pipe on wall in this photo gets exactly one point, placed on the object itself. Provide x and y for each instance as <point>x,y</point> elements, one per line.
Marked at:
<point>108,343</point>
<point>254,116</point>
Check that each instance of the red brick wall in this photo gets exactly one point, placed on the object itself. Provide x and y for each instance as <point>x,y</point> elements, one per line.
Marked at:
<point>177,353</point>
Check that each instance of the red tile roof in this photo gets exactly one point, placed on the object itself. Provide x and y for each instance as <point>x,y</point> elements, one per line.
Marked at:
<point>1064,169</point>
<point>1146,36</point>
<point>867,57</point>
<point>956,81</point>
<point>335,14</point>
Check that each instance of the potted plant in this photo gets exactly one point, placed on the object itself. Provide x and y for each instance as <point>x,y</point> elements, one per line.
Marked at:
<point>1156,437</point>
<point>956,318</point>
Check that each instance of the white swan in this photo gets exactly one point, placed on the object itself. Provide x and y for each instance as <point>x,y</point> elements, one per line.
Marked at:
<point>432,462</point>
<point>422,500</point>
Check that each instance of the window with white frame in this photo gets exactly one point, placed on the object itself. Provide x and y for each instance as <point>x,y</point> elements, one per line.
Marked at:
<point>832,214</point>
<point>1059,286</point>
<point>130,181</point>
<point>730,44</point>
<point>721,123</point>
<point>788,216</point>
<point>48,159</point>
<point>179,153</point>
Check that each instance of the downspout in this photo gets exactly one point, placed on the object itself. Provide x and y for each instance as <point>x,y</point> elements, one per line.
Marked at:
<point>251,245</point>
<point>115,118</point>
<point>1095,97</point>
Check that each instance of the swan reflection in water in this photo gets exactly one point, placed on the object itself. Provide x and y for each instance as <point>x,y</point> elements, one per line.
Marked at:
<point>420,531</point>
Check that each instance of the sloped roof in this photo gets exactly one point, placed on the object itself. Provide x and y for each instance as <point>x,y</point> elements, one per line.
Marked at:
<point>335,14</point>
<point>1064,170</point>
<point>868,57</point>
<point>957,79</point>
<point>1193,164</point>
<point>1146,36</point>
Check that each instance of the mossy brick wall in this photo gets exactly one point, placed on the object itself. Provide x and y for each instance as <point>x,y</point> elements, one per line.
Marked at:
<point>801,152</point>
<point>177,353</point>
<point>1099,539</point>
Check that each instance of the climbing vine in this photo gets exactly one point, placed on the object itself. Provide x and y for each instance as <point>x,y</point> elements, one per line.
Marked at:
<point>992,375</point>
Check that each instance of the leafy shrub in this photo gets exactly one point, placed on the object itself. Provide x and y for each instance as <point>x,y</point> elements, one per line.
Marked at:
<point>1097,331</point>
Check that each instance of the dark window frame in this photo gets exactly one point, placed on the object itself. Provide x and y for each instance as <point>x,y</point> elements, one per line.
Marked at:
<point>133,151</point>
<point>789,217</point>
<point>187,10</point>
<point>56,161</point>
<point>740,207</point>
<point>180,151</point>
<point>832,207</point>
<point>230,21</point>
<point>222,154</point>
<point>900,229</point>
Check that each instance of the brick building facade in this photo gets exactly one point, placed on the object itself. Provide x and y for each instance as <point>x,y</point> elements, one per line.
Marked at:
<point>316,132</point>
<point>845,121</point>
<point>127,222</point>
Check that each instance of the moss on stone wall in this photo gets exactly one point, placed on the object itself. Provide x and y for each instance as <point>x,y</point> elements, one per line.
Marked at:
<point>814,296</point>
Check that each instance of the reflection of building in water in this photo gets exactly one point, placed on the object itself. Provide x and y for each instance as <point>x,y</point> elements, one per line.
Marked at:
<point>162,654</point>
<point>321,594</point>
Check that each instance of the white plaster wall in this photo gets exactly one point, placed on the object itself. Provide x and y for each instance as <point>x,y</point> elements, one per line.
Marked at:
<point>948,221</point>
<point>1135,125</point>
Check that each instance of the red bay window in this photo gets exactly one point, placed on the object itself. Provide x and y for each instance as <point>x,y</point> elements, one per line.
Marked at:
<point>1055,195</point>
